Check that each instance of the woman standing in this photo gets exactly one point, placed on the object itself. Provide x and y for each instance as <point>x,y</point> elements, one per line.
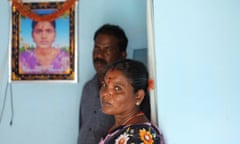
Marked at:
<point>123,93</point>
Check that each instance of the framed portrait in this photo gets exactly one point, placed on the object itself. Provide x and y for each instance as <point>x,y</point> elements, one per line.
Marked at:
<point>43,48</point>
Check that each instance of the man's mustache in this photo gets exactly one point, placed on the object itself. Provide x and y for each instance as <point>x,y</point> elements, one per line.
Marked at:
<point>98,60</point>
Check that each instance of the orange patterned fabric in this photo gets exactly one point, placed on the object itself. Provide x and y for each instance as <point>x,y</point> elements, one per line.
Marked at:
<point>26,11</point>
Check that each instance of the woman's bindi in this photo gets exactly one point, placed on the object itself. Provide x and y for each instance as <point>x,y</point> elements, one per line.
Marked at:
<point>109,80</point>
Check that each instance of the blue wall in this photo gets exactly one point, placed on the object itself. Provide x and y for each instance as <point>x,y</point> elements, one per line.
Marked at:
<point>198,70</point>
<point>48,113</point>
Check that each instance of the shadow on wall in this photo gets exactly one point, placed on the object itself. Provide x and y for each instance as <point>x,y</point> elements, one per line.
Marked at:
<point>140,55</point>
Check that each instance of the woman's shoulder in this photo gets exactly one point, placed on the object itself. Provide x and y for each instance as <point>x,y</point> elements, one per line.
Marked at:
<point>27,55</point>
<point>148,125</point>
<point>61,52</point>
<point>27,52</point>
<point>144,128</point>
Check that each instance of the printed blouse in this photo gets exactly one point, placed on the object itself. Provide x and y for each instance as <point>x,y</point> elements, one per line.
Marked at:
<point>30,65</point>
<point>145,133</point>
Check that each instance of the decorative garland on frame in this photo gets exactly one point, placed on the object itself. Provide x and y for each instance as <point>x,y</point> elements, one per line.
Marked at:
<point>26,11</point>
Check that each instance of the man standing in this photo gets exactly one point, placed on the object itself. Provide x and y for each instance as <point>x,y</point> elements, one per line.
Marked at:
<point>110,44</point>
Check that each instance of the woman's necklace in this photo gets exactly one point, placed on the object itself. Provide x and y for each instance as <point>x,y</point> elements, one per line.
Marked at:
<point>126,121</point>
<point>45,56</point>
<point>132,117</point>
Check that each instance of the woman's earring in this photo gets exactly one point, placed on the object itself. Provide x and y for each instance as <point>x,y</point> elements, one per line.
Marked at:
<point>137,103</point>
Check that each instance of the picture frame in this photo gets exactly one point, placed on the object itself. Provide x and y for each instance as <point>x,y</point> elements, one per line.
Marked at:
<point>34,57</point>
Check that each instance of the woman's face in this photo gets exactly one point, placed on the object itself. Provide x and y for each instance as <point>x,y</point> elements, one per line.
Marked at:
<point>44,34</point>
<point>116,94</point>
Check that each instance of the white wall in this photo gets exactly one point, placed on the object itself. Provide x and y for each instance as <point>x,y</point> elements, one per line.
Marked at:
<point>48,113</point>
<point>198,67</point>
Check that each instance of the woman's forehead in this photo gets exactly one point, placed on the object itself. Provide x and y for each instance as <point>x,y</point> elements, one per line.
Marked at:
<point>115,75</point>
<point>112,73</point>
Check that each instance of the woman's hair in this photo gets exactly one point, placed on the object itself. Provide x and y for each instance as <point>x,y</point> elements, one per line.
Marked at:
<point>115,31</point>
<point>34,23</point>
<point>136,72</point>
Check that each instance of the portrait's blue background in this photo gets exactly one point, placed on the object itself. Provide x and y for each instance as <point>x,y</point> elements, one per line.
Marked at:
<point>197,44</point>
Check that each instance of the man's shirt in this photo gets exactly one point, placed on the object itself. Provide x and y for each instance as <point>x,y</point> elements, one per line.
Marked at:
<point>93,123</point>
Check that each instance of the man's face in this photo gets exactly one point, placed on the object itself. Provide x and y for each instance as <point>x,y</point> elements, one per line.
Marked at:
<point>106,51</point>
<point>43,34</point>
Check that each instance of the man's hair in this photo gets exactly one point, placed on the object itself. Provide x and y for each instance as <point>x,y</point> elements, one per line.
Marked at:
<point>115,31</point>
<point>34,23</point>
